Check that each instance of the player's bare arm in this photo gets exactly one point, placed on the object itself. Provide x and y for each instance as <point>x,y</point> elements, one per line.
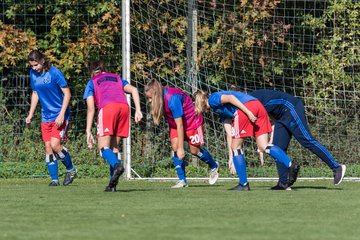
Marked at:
<point>33,104</point>
<point>234,101</point>
<point>135,95</point>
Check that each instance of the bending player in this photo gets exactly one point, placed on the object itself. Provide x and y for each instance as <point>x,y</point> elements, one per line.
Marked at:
<point>50,87</point>
<point>244,116</point>
<point>106,91</point>
<point>184,124</point>
<point>290,120</point>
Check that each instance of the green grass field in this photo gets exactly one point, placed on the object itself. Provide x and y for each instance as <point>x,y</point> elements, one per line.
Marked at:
<point>29,209</point>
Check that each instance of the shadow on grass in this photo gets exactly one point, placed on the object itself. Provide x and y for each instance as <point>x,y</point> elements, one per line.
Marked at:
<point>133,190</point>
<point>316,187</point>
<point>204,186</point>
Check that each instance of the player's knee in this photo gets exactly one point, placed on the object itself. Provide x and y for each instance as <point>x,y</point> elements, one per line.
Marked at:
<point>237,152</point>
<point>266,149</point>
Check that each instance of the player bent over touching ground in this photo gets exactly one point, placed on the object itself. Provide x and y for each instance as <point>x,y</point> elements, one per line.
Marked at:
<point>52,90</point>
<point>106,91</point>
<point>244,116</point>
<point>290,120</point>
<point>179,111</point>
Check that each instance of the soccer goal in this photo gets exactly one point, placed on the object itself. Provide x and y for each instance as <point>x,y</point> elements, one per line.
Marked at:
<point>305,48</point>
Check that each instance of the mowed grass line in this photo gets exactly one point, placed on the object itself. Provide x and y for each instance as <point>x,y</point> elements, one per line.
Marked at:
<point>29,209</point>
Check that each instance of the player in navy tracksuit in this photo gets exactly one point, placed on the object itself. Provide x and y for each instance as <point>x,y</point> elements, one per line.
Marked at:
<point>289,113</point>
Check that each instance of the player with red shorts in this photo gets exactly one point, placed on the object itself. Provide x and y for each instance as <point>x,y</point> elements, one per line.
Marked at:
<point>243,116</point>
<point>52,90</point>
<point>106,91</point>
<point>185,125</point>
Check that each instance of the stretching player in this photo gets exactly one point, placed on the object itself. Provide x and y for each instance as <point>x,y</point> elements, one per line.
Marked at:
<point>244,116</point>
<point>184,124</point>
<point>50,87</point>
<point>106,91</point>
<point>290,120</point>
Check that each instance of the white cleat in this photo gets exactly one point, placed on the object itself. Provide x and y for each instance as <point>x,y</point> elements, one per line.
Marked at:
<point>180,184</point>
<point>214,175</point>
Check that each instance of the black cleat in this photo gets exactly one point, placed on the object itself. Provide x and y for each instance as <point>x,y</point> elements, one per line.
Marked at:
<point>69,177</point>
<point>339,174</point>
<point>241,187</point>
<point>54,184</point>
<point>118,171</point>
<point>110,189</point>
<point>281,186</point>
<point>293,172</point>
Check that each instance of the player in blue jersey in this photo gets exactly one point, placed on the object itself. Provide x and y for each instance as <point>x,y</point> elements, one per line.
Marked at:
<point>52,90</point>
<point>184,124</point>
<point>244,116</point>
<point>290,120</point>
<point>106,91</point>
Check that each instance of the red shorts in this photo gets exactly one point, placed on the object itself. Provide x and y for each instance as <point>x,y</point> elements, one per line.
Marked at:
<point>114,120</point>
<point>49,130</point>
<point>194,137</point>
<point>242,126</point>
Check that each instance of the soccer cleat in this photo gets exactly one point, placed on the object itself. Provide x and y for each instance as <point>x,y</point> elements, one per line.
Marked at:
<point>214,175</point>
<point>54,184</point>
<point>281,186</point>
<point>293,172</point>
<point>339,174</point>
<point>241,187</point>
<point>118,171</point>
<point>69,177</point>
<point>110,189</point>
<point>180,184</point>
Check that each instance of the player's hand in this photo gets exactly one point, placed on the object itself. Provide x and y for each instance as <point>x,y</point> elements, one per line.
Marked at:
<point>252,117</point>
<point>28,119</point>
<point>138,116</point>
<point>231,166</point>
<point>59,120</point>
<point>180,153</point>
<point>261,157</point>
<point>90,140</point>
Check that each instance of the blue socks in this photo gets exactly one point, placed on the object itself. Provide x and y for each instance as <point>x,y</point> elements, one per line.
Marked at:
<point>240,165</point>
<point>52,166</point>
<point>279,155</point>
<point>180,167</point>
<point>109,156</point>
<point>206,157</point>
<point>65,158</point>
<point>111,167</point>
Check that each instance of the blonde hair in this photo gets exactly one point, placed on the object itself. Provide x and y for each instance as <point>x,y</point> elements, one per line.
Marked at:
<point>201,98</point>
<point>154,88</point>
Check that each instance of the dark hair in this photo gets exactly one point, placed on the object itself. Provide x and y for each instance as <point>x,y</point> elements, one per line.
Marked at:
<point>37,56</point>
<point>97,67</point>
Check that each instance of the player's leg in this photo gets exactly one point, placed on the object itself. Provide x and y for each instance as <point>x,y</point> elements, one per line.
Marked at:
<point>57,135</point>
<point>281,139</point>
<point>50,158</point>
<point>301,132</point>
<point>114,145</point>
<point>239,164</point>
<point>195,139</point>
<point>280,157</point>
<point>178,164</point>
<point>241,128</point>
<point>113,122</point>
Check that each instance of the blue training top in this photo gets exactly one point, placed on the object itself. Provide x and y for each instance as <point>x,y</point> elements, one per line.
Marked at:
<point>227,110</point>
<point>175,104</point>
<point>48,87</point>
<point>276,103</point>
